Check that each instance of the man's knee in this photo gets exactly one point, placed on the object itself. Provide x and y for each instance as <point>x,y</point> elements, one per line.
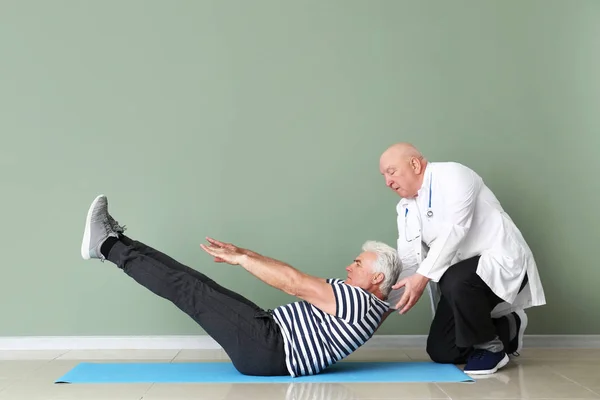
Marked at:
<point>439,354</point>
<point>443,352</point>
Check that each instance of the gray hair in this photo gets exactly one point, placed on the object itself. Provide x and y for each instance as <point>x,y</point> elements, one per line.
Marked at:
<point>388,262</point>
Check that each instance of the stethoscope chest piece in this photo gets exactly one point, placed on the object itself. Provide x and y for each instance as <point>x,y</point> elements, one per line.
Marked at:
<point>429,212</point>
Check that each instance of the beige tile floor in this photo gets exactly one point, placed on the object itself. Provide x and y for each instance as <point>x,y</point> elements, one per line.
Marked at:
<point>536,374</point>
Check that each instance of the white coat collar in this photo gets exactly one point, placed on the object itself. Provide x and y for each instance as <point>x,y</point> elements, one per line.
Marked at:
<point>424,190</point>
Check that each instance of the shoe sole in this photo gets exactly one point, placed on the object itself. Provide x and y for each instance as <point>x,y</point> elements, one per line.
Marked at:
<point>85,243</point>
<point>501,364</point>
<point>520,335</point>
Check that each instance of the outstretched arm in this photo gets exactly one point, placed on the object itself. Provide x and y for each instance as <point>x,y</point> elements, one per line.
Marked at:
<point>276,273</point>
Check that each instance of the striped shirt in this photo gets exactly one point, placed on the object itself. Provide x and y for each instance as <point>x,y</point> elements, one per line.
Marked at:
<point>315,340</point>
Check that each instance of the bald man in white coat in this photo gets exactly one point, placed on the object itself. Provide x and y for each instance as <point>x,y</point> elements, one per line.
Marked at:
<point>455,239</point>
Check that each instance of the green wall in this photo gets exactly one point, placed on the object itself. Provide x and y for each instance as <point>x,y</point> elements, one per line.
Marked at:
<point>262,122</point>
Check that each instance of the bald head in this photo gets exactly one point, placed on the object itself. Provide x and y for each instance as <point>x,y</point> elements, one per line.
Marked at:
<point>403,166</point>
<point>401,151</point>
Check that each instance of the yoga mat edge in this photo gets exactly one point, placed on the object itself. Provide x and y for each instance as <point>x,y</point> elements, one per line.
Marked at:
<point>224,372</point>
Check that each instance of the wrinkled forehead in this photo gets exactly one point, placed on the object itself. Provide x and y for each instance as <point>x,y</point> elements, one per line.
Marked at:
<point>385,160</point>
<point>388,162</point>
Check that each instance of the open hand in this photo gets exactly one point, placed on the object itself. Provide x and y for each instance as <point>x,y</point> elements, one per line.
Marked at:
<point>414,286</point>
<point>224,252</point>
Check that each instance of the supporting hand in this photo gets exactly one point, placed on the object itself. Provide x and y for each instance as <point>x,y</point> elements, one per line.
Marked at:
<point>414,286</point>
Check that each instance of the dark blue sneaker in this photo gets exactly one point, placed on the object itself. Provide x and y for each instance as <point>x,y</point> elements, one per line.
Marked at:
<point>483,362</point>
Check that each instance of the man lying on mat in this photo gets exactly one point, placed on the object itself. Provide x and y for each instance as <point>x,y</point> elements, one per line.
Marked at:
<point>332,320</point>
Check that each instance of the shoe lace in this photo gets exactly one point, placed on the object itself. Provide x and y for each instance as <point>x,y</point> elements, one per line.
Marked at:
<point>478,354</point>
<point>114,225</point>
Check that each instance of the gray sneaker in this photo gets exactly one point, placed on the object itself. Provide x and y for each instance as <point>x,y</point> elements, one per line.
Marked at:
<point>99,226</point>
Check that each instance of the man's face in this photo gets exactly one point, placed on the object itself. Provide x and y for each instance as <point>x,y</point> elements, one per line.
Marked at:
<point>360,272</point>
<point>400,175</point>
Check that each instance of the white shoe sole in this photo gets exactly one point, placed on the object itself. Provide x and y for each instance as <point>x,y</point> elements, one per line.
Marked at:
<point>520,335</point>
<point>501,364</point>
<point>85,243</point>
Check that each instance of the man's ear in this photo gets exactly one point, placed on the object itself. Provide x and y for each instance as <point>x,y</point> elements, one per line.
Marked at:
<point>378,278</point>
<point>416,165</point>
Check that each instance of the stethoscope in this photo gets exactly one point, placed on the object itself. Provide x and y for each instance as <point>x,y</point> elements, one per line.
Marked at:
<point>429,211</point>
<point>429,215</point>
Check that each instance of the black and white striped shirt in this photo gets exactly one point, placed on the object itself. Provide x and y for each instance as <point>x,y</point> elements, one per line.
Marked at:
<point>315,340</point>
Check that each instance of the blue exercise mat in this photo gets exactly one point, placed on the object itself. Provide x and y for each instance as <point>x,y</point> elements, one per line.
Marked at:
<point>224,372</point>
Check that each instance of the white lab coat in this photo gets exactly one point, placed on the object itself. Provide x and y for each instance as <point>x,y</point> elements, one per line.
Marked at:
<point>467,220</point>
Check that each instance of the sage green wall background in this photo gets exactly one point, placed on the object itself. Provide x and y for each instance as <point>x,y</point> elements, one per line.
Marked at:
<point>262,122</point>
